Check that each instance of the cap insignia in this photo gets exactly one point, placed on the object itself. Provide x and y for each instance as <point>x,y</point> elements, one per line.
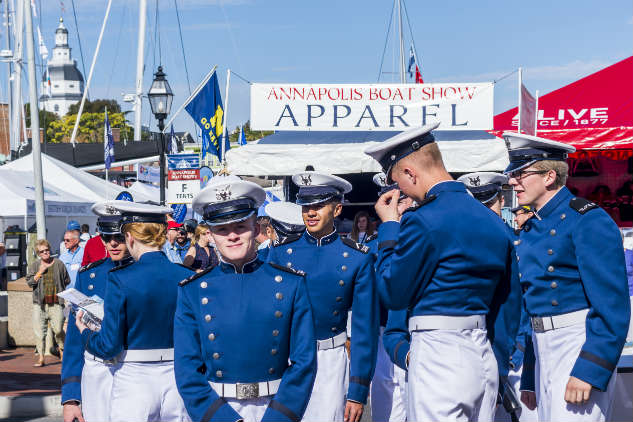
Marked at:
<point>306,180</point>
<point>475,181</point>
<point>223,194</point>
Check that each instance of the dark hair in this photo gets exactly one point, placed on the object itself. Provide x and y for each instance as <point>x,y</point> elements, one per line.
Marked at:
<point>85,228</point>
<point>355,231</point>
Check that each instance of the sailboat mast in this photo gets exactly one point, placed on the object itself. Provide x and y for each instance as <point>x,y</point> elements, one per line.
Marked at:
<point>16,76</point>
<point>7,46</point>
<point>400,32</point>
<point>142,18</point>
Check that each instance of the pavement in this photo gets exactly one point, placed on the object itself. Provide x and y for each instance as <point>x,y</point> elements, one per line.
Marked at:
<point>27,391</point>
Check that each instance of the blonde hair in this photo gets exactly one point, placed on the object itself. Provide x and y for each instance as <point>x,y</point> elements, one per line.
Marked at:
<point>150,234</point>
<point>429,156</point>
<point>560,167</point>
<point>41,242</point>
<point>200,230</point>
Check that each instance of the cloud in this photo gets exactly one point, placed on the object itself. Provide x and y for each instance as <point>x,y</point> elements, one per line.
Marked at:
<point>572,70</point>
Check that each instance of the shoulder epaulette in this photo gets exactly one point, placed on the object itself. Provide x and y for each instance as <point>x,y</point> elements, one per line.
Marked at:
<point>371,237</point>
<point>284,240</point>
<point>425,201</point>
<point>192,277</point>
<point>582,205</point>
<point>92,265</point>
<point>355,245</point>
<point>120,267</point>
<point>287,269</point>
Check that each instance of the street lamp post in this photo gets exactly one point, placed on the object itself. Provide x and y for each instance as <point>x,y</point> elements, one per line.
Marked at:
<point>160,98</point>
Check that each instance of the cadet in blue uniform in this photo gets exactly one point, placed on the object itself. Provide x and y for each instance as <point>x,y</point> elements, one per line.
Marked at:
<point>285,221</point>
<point>451,263</point>
<point>245,345</point>
<point>340,278</point>
<point>388,387</point>
<point>87,379</point>
<point>137,328</point>
<point>487,187</point>
<point>574,283</point>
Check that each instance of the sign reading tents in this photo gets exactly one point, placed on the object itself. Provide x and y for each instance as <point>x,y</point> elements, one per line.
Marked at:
<point>384,107</point>
<point>183,178</point>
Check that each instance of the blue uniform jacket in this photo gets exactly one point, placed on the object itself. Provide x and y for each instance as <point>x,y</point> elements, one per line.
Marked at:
<point>396,337</point>
<point>244,327</point>
<point>452,256</point>
<point>571,258</point>
<point>340,277</point>
<point>140,304</point>
<point>91,280</point>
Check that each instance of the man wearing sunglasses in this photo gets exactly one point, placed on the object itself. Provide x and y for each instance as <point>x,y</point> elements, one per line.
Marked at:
<point>47,276</point>
<point>87,379</point>
<point>169,247</point>
<point>72,255</point>
<point>575,290</point>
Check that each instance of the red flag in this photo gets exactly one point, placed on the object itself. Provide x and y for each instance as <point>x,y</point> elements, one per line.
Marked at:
<point>418,75</point>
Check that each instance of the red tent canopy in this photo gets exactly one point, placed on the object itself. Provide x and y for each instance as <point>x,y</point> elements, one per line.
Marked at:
<point>594,114</point>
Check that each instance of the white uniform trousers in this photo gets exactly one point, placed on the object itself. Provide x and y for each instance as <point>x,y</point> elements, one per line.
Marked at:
<point>251,410</point>
<point>556,353</point>
<point>146,391</point>
<point>96,387</point>
<point>525,414</point>
<point>328,398</point>
<point>453,376</point>
<point>388,389</point>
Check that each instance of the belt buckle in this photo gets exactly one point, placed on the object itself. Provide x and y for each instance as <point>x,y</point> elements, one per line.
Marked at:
<point>247,391</point>
<point>537,324</point>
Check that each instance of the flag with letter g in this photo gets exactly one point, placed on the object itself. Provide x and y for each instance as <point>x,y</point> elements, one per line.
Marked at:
<point>207,111</point>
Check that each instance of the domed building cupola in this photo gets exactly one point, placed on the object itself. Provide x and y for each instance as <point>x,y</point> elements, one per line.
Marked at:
<point>62,82</point>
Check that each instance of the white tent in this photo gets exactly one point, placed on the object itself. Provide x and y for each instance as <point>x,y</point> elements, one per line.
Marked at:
<point>287,153</point>
<point>140,189</point>
<point>17,205</point>
<point>68,195</point>
<point>66,178</point>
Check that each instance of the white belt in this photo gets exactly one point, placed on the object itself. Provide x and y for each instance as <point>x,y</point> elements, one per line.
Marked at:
<point>446,322</point>
<point>332,342</point>
<point>146,355</point>
<point>250,390</point>
<point>548,323</point>
<point>90,356</point>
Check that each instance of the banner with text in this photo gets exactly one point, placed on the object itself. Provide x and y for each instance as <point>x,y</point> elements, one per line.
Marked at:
<point>397,107</point>
<point>183,178</point>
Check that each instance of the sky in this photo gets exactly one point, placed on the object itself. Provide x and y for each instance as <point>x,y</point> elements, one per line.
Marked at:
<point>336,41</point>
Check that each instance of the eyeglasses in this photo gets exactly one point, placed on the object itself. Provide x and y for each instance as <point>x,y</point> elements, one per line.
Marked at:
<point>118,237</point>
<point>44,251</point>
<point>521,174</point>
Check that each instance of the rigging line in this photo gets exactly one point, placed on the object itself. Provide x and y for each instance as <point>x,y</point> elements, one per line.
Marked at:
<point>116,50</point>
<point>241,77</point>
<point>415,50</point>
<point>182,46</point>
<point>81,51</point>
<point>384,50</point>
<point>505,76</point>
<point>154,43</point>
<point>160,50</point>
<point>230,29</point>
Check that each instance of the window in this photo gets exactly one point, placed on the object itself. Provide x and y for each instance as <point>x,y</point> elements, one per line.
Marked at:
<point>56,108</point>
<point>71,85</point>
<point>56,86</point>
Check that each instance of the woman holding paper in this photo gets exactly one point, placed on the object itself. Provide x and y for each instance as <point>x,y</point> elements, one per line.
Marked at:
<point>137,328</point>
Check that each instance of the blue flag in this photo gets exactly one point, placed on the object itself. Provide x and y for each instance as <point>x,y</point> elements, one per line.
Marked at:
<point>242,140</point>
<point>172,140</point>
<point>411,62</point>
<point>207,111</point>
<point>108,143</point>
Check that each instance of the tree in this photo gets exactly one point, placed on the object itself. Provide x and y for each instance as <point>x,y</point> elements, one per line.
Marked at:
<point>96,106</point>
<point>250,134</point>
<point>46,117</point>
<point>90,127</point>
